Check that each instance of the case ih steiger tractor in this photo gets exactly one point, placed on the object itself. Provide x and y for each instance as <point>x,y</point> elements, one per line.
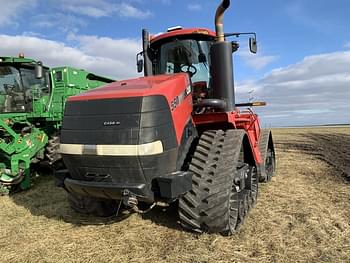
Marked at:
<point>174,135</point>
<point>32,99</point>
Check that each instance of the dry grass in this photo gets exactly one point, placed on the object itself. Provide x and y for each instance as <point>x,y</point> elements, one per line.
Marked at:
<point>303,215</point>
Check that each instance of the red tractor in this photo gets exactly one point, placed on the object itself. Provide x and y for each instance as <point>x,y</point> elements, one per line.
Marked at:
<point>174,135</point>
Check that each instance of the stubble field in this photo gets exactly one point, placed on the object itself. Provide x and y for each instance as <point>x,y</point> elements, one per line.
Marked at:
<point>302,215</point>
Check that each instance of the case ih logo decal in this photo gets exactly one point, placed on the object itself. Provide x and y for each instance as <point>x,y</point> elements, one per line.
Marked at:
<point>111,123</point>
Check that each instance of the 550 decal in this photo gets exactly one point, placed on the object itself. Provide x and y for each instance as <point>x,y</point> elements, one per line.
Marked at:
<point>178,99</point>
<point>175,102</point>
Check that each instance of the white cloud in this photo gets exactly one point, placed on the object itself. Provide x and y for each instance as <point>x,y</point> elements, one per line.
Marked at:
<point>105,56</point>
<point>104,8</point>
<point>194,7</point>
<point>10,9</point>
<point>256,61</point>
<point>116,49</point>
<point>313,67</point>
<point>69,15</point>
<point>127,10</point>
<point>31,34</point>
<point>347,45</point>
<point>89,11</point>
<point>63,22</point>
<point>315,90</point>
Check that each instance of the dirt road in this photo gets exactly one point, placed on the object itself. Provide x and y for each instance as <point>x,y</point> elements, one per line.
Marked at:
<point>303,215</point>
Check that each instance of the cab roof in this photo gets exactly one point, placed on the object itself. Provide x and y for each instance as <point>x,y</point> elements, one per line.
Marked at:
<point>182,32</point>
<point>16,60</point>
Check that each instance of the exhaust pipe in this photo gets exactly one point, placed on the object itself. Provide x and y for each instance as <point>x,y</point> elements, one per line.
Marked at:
<point>219,17</point>
<point>222,63</point>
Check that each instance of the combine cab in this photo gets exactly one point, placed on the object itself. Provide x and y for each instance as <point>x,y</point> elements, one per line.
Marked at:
<point>174,135</point>
<point>32,99</point>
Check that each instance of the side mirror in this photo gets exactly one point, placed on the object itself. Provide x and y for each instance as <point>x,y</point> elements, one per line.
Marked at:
<point>253,46</point>
<point>39,70</point>
<point>139,62</point>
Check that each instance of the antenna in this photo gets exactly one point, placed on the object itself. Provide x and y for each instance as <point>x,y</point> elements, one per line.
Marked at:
<point>251,95</point>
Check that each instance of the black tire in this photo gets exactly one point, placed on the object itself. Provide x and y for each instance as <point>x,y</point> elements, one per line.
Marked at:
<point>266,147</point>
<point>92,206</point>
<point>213,204</point>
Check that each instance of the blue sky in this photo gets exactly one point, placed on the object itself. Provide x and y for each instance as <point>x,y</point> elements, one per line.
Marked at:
<point>302,69</point>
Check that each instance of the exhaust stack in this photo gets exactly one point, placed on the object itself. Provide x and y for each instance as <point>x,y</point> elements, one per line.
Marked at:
<point>222,63</point>
<point>219,17</point>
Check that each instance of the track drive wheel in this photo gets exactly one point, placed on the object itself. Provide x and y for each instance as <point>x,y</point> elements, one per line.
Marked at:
<point>92,206</point>
<point>217,203</point>
<point>268,156</point>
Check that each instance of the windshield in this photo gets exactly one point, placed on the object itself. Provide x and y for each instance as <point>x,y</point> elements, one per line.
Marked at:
<point>186,55</point>
<point>17,86</point>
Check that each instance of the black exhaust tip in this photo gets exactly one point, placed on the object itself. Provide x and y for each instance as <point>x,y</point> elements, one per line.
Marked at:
<point>226,4</point>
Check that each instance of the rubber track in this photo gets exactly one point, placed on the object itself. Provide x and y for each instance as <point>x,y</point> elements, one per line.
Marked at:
<point>207,208</point>
<point>52,149</point>
<point>184,153</point>
<point>263,146</point>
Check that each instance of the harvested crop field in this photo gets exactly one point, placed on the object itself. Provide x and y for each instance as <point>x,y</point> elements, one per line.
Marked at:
<point>302,215</point>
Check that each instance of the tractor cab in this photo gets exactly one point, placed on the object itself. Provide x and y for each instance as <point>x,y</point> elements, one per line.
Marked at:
<point>18,79</point>
<point>182,51</point>
<point>205,55</point>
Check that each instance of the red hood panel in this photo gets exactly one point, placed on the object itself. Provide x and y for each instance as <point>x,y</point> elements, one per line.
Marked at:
<point>166,85</point>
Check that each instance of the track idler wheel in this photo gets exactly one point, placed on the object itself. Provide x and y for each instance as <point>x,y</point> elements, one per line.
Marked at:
<point>270,164</point>
<point>267,151</point>
<point>243,207</point>
<point>253,186</point>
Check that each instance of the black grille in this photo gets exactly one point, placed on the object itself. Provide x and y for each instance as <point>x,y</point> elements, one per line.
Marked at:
<point>126,121</point>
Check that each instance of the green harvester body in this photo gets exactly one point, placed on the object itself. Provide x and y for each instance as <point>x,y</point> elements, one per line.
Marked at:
<point>31,112</point>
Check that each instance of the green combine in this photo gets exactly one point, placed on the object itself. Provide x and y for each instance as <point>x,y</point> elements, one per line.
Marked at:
<point>32,100</point>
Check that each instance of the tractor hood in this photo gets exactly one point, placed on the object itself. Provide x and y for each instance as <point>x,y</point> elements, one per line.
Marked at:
<point>169,86</point>
<point>127,131</point>
<point>124,110</point>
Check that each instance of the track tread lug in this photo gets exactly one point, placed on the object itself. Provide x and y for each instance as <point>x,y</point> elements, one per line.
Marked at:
<point>214,206</point>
